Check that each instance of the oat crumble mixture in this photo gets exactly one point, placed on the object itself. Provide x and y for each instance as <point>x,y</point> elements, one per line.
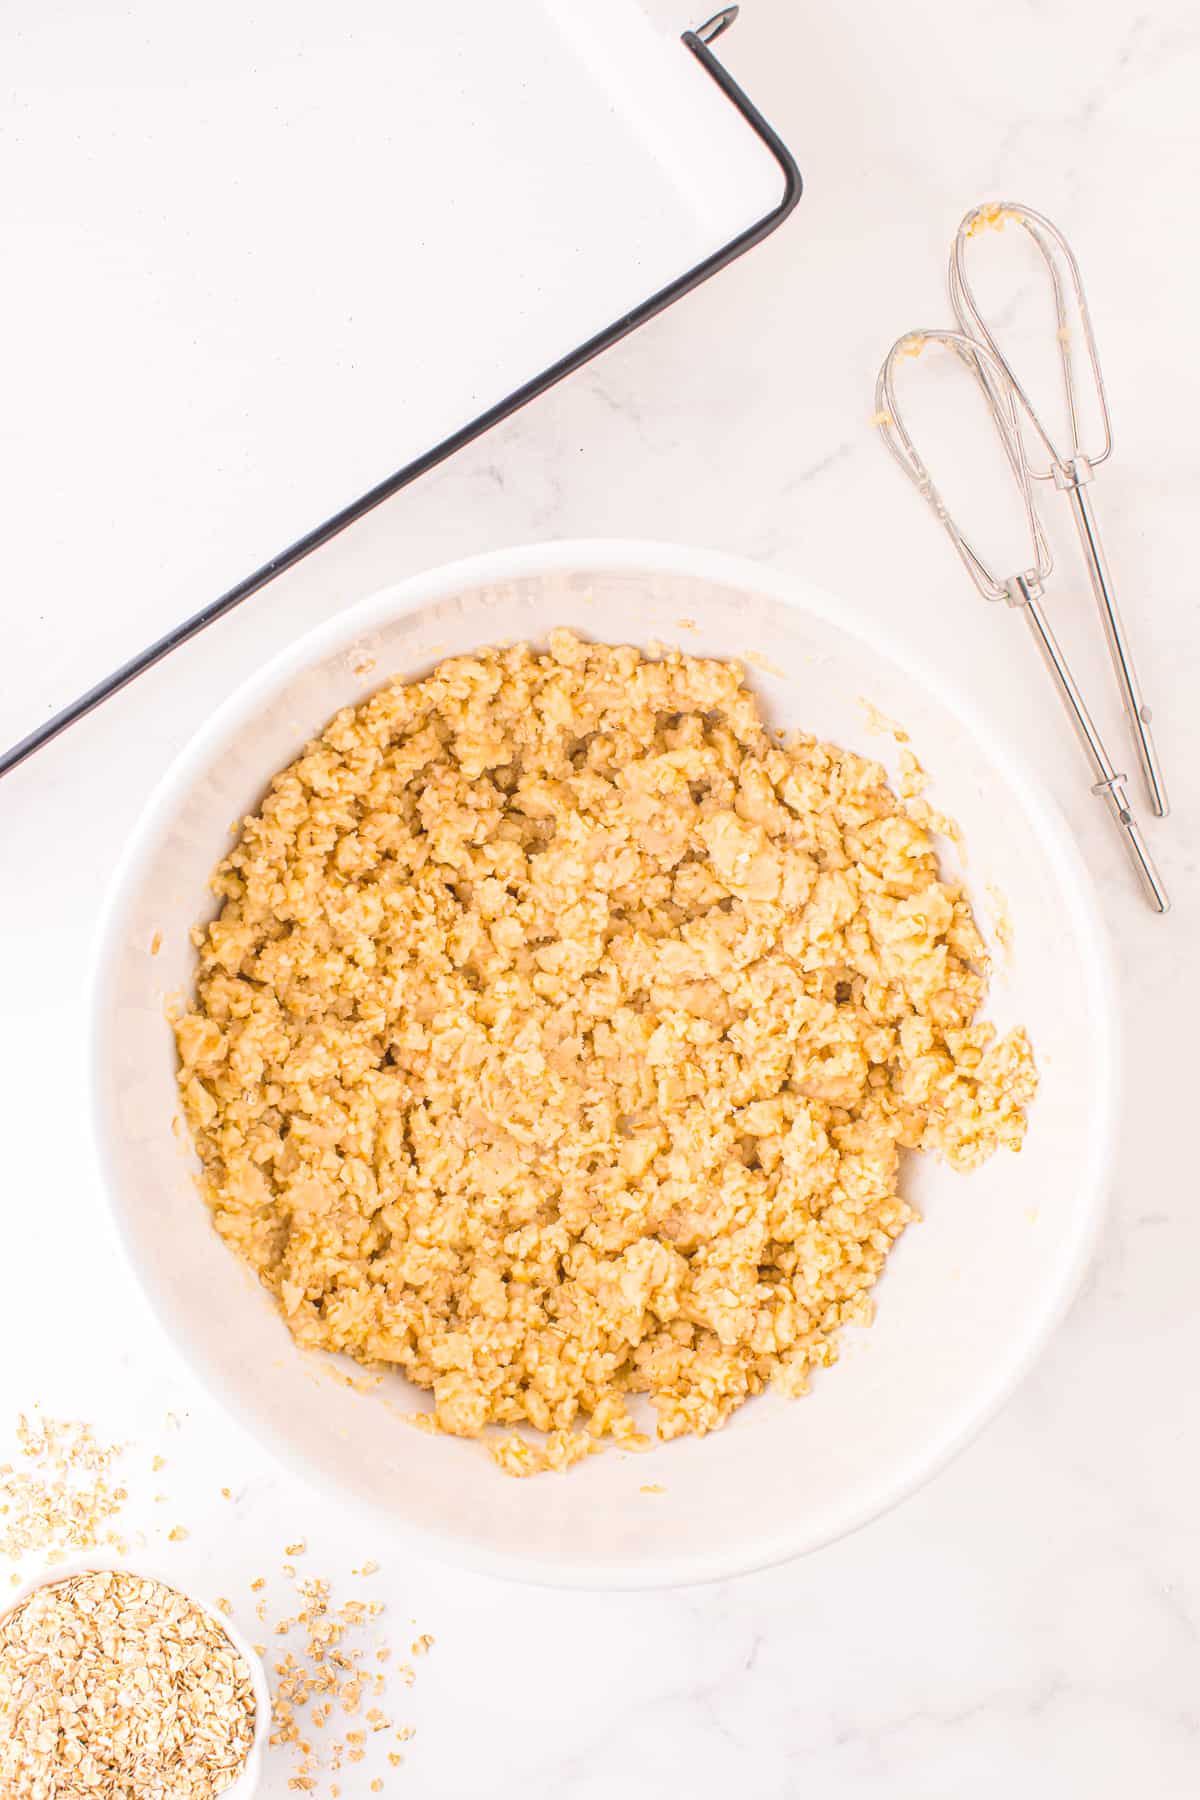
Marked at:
<point>559,1034</point>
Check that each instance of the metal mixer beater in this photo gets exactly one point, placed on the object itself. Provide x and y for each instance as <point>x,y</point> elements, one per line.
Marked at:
<point>1071,469</point>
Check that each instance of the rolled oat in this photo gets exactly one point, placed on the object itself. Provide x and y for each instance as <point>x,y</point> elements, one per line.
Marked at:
<point>115,1685</point>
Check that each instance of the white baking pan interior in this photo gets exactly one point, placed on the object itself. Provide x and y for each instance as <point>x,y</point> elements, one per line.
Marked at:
<point>349,238</point>
<point>969,1296</point>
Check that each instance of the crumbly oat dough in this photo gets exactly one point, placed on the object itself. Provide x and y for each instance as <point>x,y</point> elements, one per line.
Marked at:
<point>559,1033</point>
<point>113,1685</point>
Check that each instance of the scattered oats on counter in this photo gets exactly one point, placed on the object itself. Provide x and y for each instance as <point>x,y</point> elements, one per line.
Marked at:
<point>66,1499</point>
<point>116,1686</point>
<point>328,1680</point>
<point>559,1034</point>
<point>62,1500</point>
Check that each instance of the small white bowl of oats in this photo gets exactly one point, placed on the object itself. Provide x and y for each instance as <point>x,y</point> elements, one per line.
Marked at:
<point>605,1039</point>
<point>112,1680</point>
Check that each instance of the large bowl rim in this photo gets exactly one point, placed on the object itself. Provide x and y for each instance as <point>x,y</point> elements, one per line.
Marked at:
<point>621,555</point>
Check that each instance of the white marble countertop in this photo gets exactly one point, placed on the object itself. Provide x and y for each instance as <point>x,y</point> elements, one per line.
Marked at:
<point>1030,1621</point>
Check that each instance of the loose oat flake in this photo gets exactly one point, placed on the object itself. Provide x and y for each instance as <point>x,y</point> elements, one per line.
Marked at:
<point>115,1687</point>
<point>60,1497</point>
<point>559,1034</point>
<point>326,1698</point>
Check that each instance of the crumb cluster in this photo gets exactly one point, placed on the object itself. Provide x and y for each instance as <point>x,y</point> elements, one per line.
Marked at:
<point>559,1034</point>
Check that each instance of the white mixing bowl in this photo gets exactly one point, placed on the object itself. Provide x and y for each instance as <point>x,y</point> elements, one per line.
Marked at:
<point>969,1296</point>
